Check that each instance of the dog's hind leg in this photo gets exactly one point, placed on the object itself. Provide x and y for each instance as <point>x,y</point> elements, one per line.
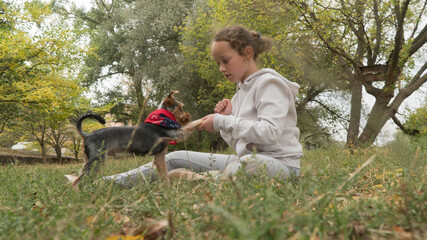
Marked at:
<point>74,180</point>
<point>160,162</point>
<point>92,165</point>
<point>94,158</point>
<point>89,168</point>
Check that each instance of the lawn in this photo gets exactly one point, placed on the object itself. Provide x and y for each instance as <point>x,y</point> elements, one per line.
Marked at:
<point>375,193</point>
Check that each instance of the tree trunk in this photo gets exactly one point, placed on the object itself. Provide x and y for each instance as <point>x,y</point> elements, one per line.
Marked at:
<point>355,112</point>
<point>43,147</point>
<point>58,154</point>
<point>380,114</point>
<point>76,147</point>
<point>137,84</point>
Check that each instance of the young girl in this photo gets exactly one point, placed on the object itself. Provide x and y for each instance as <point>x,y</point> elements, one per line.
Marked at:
<point>258,123</point>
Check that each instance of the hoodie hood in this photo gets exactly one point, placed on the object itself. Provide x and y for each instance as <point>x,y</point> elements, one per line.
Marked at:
<point>294,87</point>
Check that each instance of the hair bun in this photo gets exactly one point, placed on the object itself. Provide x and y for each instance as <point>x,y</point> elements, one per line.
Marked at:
<point>239,38</point>
<point>262,44</point>
<point>256,35</point>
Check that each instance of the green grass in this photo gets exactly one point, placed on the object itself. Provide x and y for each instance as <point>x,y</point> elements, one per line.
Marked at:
<point>387,199</point>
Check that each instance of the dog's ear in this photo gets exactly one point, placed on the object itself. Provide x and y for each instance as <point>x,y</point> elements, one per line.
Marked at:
<point>170,100</point>
<point>171,93</point>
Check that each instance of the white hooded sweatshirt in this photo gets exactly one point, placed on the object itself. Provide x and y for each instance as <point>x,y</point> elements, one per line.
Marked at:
<point>263,118</point>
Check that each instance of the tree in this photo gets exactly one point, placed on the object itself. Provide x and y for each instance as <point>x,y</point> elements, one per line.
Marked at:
<point>36,67</point>
<point>136,41</point>
<point>39,61</point>
<point>37,130</point>
<point>57,138</point>
<point>376,44</point>
<point>44,58</point>
<point>74,145</point>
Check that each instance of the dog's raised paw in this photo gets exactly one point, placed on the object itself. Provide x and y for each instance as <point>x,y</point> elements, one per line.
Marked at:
<point>192,126</point>
<point>73,180</point>
<point>70,178</point>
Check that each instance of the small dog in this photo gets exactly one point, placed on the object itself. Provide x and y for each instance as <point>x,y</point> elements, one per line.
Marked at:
<point>162,127</point>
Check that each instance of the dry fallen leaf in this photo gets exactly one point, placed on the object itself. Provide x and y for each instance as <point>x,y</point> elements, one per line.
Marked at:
<point>150,230</point>
<point>208,197</point>
<point>121,237</point>
<point>401,233</point>
<point>358,230</point>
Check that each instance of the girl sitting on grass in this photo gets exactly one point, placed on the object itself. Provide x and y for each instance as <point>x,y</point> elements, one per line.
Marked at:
<point>258,123</point>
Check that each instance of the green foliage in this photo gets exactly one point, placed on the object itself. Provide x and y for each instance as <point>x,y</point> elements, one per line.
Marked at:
<point>386,199</point>
<point>135,42</point>
<point>197,35</point>
<point>418,120</point>
<point>40,59</point>
<point>45,58</point>
<point>37,67</point>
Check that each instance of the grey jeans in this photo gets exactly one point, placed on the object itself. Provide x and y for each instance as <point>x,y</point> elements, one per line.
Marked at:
<point>202,162</point>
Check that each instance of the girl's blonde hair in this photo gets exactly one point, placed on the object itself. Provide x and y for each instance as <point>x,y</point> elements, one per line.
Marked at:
<point>239,38</point>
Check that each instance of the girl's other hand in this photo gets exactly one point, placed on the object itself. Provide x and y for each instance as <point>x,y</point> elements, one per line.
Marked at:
<point>223,107</point>
<point>207,123</point>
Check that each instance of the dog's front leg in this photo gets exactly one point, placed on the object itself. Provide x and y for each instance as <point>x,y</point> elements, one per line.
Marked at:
<point>160,162</point>
<point>190,127</point>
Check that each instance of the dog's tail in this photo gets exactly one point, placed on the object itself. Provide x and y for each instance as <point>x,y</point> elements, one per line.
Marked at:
<point>77,121</point>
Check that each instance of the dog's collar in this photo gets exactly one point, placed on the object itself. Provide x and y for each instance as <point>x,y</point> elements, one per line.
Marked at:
<point>163,118</point>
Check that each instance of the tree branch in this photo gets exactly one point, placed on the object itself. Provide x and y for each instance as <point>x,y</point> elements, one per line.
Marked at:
<point>319,31</point>
<point>405,130</point>
<point>18,101</point>
<point>418,20</point>
<point>104,5</point>
<point>329,110</point>
<point>419,41</point>
<point>320,133</point>
<point>81,16</point>
<point>418,74</point>
<point>358,33</point>
<point>407,91</point>
<point>378,35</point>
<point>7,118</point>
<point>371,89</point>
<point>20,60</point>
<point>398,42</point>
<point>312,93</point>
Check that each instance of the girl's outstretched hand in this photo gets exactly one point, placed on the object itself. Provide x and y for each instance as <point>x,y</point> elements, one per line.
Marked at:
<point>207,123</point>
<point>223,107</point>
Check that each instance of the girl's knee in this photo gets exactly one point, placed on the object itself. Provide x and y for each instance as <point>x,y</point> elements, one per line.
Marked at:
<point>175,155</point>
<point>177,159</point>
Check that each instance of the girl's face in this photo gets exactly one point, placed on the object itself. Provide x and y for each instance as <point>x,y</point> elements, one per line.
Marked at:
<point>234,67</point>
